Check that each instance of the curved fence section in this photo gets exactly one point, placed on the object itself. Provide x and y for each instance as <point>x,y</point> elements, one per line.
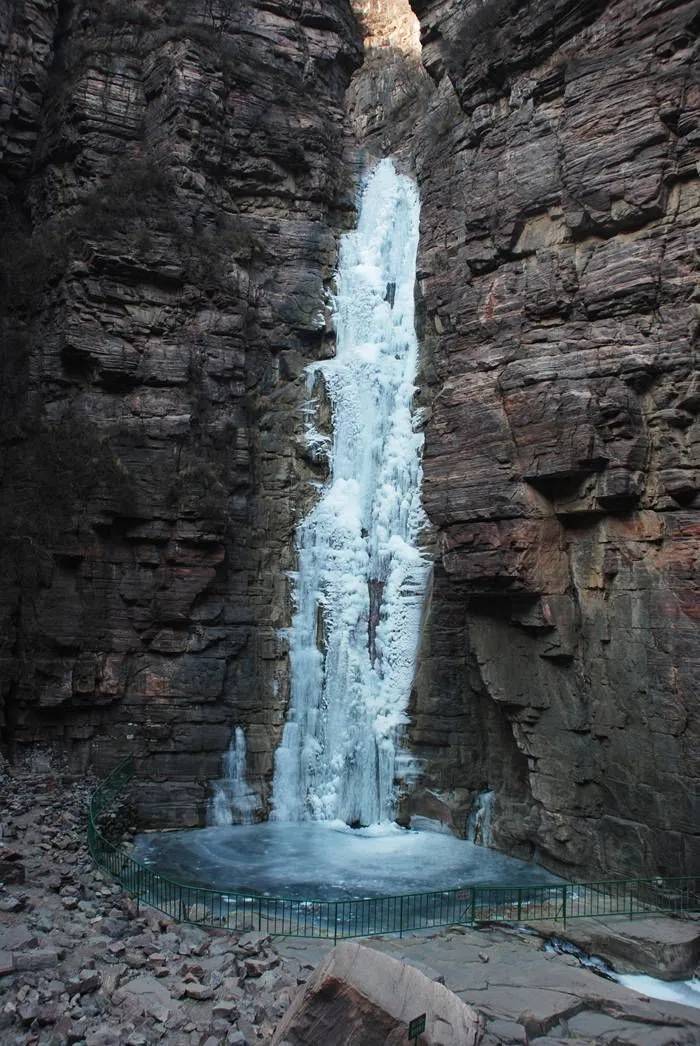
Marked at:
<point>364,917</point>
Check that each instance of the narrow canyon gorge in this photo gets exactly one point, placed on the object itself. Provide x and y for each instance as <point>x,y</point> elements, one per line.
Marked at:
<point>175,180</point>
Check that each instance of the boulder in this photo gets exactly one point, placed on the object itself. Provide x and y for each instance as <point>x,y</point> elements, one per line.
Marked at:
<point>11,866</point>
<point>360,995</point>
<point>145,996</point>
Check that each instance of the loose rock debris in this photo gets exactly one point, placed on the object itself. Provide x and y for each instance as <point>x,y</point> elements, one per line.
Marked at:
<point>80,964</point>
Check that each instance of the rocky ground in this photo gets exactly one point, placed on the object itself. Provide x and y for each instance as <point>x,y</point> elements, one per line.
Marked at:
<point>81,964</point>
<point>526,994</point>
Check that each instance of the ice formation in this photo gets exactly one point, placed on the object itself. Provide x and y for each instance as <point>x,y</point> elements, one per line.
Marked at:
<point>361,577</point>
<point>234,801</point>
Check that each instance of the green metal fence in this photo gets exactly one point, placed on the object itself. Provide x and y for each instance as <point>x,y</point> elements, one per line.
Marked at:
<point>367,916</point>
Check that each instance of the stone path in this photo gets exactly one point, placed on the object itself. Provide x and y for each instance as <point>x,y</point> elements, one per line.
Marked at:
<point>81,966</point>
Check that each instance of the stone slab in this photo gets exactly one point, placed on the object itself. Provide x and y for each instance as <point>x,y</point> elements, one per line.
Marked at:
<point>527,988</point>
<point>145,996</point>
<point>358,994</point>
<point>662,947</point>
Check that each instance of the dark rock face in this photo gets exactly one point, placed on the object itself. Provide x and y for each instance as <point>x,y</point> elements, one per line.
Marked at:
<point>173,179</point>
<point>559,293</point>
<point>171,190</point>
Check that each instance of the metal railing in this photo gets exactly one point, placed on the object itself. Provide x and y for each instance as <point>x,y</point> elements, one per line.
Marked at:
<point>364,917</point>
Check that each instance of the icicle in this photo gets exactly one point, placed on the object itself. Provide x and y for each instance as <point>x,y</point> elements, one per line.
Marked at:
<point>234,801</point>
<point>479,822</point>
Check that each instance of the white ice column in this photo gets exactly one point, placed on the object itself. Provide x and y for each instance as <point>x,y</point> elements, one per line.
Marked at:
<point>360,582</point>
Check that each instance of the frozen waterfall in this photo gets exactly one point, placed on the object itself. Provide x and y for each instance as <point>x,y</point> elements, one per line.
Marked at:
<point>359,587</point>
<point>234,801</point>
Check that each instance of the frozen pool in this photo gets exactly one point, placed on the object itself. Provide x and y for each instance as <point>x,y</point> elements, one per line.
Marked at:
<point>327,860</point>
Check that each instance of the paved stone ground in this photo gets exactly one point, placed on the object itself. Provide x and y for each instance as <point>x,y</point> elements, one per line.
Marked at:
<point>81,966</point>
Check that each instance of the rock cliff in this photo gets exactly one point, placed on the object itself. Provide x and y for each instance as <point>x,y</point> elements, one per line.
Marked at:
<point>173,180</point>
<point>558,284</point>
<point>172,184</point>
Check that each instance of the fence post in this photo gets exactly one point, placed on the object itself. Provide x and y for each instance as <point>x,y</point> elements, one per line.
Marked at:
<point>259,914</point>
<point>630,889</point>
<point>520,901</point>
<point>401,917</point>
<point>473,904</point>
<point>335,924</point>
<point>563,906</point>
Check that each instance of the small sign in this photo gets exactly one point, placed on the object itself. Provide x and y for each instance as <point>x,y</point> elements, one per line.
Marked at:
<point>417,1026</point>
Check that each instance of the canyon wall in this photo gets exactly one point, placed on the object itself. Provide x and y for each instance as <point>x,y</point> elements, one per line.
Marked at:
<point>558,293</point>
<point>172,183</point>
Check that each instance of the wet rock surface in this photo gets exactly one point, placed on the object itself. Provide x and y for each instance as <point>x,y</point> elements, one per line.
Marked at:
<point>668,949</point>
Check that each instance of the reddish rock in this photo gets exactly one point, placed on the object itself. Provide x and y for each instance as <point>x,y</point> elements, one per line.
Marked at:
<point>171,195</point>
<point>557,282</point>
<point>360,995</point>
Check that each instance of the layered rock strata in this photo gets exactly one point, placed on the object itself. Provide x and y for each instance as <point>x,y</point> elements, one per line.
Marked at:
<point>171,192</point>
<point>173,178</point>
<point>558,169</point>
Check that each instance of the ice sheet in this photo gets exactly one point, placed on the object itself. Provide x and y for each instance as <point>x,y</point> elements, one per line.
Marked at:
<point>685,992</point>
<point>328,860</point>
